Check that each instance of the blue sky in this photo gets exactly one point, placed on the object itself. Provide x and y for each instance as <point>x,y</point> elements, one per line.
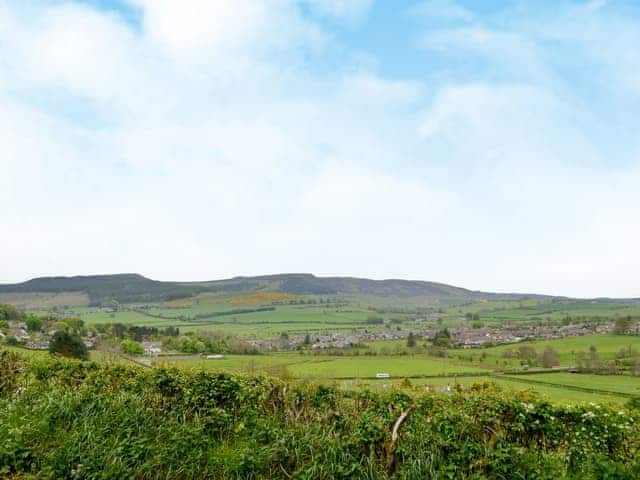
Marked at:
<point>493,145</point>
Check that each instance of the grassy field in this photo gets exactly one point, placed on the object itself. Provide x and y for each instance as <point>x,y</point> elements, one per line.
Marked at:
<point>541,309</point>
<point>341,314</point>
<point>324,366</point>
<point>556,394</point>
<point>359,371</point>
<point>606,346</point>
<point>623,384</point>
<point>349,314</point>
<point>283,318</point>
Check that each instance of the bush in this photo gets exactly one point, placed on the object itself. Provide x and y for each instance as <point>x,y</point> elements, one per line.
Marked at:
<point>90,421</point>
<point>68,345</point>
<point>132,347</point>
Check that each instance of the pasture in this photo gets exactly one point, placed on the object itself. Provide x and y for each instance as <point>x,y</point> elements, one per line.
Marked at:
<point>233,315</point>
<point>607,346</point>
<point>325,366</point>
<point>268,315</point>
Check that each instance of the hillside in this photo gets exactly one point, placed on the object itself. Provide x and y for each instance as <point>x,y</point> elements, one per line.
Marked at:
<point>128,288</point>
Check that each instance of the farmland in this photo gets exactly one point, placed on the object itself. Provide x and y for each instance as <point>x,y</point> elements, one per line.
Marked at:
<point>216,312</point>
<point>348,337</point>
<point>262,371</point>
<point>329,367</point>
<point>454,369</point>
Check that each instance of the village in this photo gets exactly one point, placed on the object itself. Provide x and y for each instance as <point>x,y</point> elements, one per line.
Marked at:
<point>461,337</point>
<point>19,333</point>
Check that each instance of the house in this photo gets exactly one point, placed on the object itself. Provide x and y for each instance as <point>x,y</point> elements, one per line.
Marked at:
<point>38,345</point>
<point>152,348</point>
<point>20,334</point>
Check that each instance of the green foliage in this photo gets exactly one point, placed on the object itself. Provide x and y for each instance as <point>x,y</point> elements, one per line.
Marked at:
<point>131,347</point>
<point>622,325</point>
<point>9,312</point>
<point>68,345</point>
<point>374,320</point>
<point>634,402</point>
<point>83,420</point>
<point>550,358</point>
<point>75,324</point>
<point>10,367</point>
<point>442,339</point>
<point>34,324</point>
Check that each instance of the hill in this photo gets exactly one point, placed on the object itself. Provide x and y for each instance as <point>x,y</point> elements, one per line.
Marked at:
<point>128,288</point>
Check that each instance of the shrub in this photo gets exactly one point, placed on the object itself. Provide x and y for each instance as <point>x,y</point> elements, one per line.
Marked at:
<point>68,345</point>
<point>84,420</point>
<point>132,347</point>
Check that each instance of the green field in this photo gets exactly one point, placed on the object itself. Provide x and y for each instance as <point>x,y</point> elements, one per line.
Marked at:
<point>556,394</point>
<point>606,345</point>
<point>321,366</point>
<point>232,317</point>
<point>623,384</point>
<point>533,310</point>
<point>349,313</point>
<point>283,318</point>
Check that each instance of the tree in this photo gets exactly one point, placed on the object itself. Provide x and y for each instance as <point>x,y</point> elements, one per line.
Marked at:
<point>527,352</point>
<point>132,347</point>
<point>442,339</point>
<point>411,340</point>
<point>68,345</point>
<point>9,312</point>
<point>34,324</point>
<point>307,339</point>
<point>75,324</point>
<point>550,358</point>
<point>118,330</point>
<point>594,358</point>
<point>622,326</point>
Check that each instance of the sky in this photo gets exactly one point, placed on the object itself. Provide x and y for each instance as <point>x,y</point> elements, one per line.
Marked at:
<point>493,145</point>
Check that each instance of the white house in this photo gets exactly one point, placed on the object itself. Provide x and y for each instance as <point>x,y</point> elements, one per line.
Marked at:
<point>152,348</point>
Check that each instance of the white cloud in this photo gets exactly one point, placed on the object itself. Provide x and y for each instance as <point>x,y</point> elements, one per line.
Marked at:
<point>201,145</point>
<point>341,8</point>
<point>206,29</point>
<point>370,89</point>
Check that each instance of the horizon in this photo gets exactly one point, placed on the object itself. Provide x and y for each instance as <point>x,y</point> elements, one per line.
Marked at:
<point>491,146</point>
<point>323,276</point>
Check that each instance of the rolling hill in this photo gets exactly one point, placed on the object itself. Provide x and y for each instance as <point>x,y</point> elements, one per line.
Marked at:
<point>128,288</point>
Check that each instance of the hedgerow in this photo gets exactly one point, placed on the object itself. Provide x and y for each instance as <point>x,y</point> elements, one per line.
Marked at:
<point>67,419</point>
